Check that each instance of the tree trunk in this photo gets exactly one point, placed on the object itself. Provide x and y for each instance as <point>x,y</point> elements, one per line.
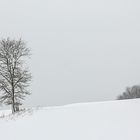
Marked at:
<point>13,99</point>
<point>13,108</point>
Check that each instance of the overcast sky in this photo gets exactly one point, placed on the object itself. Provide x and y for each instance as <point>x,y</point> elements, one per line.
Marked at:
<point>82,50</point>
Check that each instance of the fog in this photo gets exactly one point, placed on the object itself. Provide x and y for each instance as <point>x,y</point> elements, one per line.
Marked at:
<point>82,50</point>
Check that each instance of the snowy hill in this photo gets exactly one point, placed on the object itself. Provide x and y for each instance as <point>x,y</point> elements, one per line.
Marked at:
<point>114,120</point>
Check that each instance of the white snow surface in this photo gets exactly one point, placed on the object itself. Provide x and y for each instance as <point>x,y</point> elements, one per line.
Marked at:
<point>113,120</point>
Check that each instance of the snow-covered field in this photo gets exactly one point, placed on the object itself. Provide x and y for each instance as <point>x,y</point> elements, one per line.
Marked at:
<point>113,120</point>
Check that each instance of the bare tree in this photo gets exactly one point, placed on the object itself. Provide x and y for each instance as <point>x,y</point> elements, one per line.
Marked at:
<point>14,77</point>
<point>130,93</point>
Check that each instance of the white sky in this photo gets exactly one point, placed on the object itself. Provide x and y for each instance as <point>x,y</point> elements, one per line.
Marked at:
<point>83,50</point>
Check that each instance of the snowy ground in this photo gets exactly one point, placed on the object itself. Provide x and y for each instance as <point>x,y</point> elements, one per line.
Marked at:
<point>114,120</point>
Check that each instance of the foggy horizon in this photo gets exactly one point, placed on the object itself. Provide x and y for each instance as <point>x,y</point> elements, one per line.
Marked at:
<point>82,50</point>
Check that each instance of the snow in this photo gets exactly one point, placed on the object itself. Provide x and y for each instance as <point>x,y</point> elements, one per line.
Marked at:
<point>113,120</point>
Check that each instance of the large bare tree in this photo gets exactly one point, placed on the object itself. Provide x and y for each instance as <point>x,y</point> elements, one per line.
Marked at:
<point>14,76</point>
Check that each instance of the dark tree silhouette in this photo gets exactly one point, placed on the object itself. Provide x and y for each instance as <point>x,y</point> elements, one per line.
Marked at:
<point>14,77</point>
<point>130,93</point>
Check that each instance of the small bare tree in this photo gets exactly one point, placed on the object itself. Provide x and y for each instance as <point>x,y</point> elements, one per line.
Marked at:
<point>14,77</point>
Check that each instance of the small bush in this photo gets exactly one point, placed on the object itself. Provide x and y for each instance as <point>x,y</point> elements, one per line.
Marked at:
<point>130,93</point>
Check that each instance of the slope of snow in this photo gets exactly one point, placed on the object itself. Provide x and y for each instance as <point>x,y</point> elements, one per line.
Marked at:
<point>114,120</point>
